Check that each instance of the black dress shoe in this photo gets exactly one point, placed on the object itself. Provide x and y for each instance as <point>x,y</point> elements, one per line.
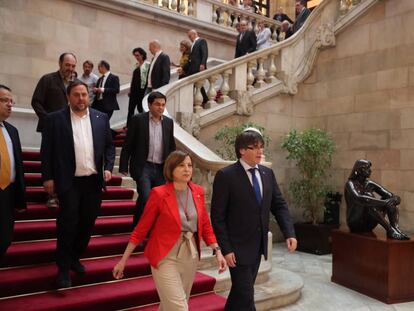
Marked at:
<point>78,267</point>
<point>63,279</point>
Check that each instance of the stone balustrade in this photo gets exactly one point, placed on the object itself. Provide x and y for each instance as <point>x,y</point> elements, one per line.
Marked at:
<point>236,86</point>
<point>215,12</point>
<point>185,7</point>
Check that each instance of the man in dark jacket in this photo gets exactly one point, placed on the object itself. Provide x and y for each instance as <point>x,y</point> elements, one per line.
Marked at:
<point>107,87</point>
<point>244,194</point>
<point>149,140</point>
<point>246,40</point>
<point>11,172</point>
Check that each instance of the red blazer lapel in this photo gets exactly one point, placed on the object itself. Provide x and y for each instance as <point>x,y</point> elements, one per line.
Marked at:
<point>171,202</point>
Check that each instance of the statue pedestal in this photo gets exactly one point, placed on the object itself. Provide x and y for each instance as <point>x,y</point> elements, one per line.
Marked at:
<point>374,266</point>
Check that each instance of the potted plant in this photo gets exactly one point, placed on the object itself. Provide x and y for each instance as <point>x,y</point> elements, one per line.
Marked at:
<point>312,150</point>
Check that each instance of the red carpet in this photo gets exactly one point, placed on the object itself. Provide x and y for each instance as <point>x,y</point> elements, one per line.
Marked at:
<point>27,281</point>
<point>35,180</point>
<point>108,208</point>
<point>47,229</point>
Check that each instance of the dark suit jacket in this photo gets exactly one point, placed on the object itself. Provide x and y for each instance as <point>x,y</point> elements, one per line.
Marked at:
<point>136,93</point>
<point>247,44</point>
<point>300,19</point>
<point>135,149</point>
<point>49,96</point>
<point>240,223</point>
<point>19,190</point>
<point>160,74</point>
<point>198,56</point>
<point>108,102</point>
<point>58,153</point>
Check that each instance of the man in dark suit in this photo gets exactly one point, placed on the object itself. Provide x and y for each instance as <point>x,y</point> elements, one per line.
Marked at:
<point>50,96</point>
<point>107,87</point>
<point>198,58</point>
<point>199,53</point>
<point>77,158</point>
<point>243,195</point>
<point>149,141</point>
<point>50,92</point>
<point>12,190</point>
<point>302,13</point>
<point>159,71</point>
<point>246,40</point>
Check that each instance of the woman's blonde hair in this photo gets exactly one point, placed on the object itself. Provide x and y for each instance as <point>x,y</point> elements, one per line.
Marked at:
<point>187,45</point>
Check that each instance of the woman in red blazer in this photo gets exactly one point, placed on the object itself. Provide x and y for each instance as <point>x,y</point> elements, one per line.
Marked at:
<point>176,220</point>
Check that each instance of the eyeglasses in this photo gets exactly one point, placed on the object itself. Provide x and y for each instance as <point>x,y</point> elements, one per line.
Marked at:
<point>255,147</point>
<point>7,100</point>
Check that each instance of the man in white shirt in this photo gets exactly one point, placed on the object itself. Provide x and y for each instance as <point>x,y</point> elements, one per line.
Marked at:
<point>107,87</point>
<point>159,71</point>
<point>77,159</point>
<point>89,78</point>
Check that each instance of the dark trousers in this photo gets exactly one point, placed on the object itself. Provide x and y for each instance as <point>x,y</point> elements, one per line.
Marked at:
<point>135,103</point>
<point>152,176</point>
<point>78,209</point>
<point>241,296</point>
<point>6,219</point>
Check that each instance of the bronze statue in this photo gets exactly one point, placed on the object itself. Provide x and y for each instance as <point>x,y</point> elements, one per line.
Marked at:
<point>368,203</point>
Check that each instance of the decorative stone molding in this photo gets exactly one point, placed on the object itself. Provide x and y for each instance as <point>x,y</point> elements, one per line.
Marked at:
<point>190,122</point>
<point>244,103</point>
<point>290,84</point>
<point>325,35</point>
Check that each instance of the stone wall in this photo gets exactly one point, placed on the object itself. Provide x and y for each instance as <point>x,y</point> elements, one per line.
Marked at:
<point>362,92</point>
<point>35,32</point>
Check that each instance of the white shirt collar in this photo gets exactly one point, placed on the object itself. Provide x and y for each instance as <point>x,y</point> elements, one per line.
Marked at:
<point>73,114</point>
<point>247,166</point>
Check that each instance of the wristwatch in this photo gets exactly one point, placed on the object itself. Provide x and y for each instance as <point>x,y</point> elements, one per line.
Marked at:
<point>217,248</point>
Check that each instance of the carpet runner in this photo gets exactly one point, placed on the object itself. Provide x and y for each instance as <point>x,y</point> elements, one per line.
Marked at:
<point>27,277</point>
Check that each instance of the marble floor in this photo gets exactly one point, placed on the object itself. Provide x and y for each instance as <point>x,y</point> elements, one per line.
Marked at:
<point>319,293</point>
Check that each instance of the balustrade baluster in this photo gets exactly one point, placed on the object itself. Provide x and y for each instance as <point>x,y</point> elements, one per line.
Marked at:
<point>229,21</point>
<point>250,76</point>
<point>343,7</point>
<point>235,21</point>
<point>190,8</point>
<point>256,27</point>
<point>260,74</point>
<point>214,15</point>
<point>155,2</point>
<point>165,3</point>
<point>225,88</point>
<point>174,5</point>
<point>181,7</point>
<point>272,69</point>
<point>198,97</point>
<point>221,17</point>
<point>274,34</point>
<point>212,93</point>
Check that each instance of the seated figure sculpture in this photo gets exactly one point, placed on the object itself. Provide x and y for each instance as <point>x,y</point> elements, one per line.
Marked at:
<point>368,203</point>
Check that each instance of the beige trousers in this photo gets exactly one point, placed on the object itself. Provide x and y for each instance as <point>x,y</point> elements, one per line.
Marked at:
<point>175,274</point>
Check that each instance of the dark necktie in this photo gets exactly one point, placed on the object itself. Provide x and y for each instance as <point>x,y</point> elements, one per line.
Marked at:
<point>256,186</point>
